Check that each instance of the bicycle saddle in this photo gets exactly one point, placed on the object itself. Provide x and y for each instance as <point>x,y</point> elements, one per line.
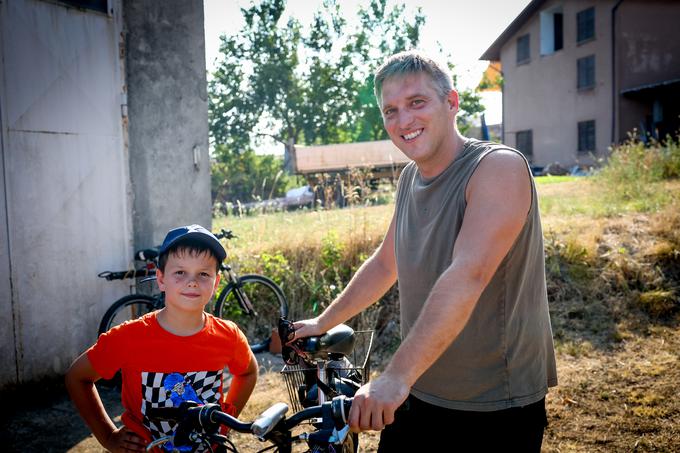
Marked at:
<point>146,254</point>
<point>339,340</point>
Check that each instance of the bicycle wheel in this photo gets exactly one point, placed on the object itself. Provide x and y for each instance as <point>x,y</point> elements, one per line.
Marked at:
<point>125,309</point>
<point>266,298</point>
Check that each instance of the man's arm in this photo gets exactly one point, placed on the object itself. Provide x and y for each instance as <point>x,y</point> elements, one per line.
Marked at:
<point>498,200</point>
<point>375,276</point>
<point>242,386</point>
<point>80,379</point>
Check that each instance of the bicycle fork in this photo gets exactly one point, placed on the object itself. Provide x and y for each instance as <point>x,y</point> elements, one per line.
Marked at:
<point>241,296</point>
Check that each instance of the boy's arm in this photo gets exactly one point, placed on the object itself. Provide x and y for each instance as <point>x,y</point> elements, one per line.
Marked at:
<point>242,386</point>
<point>80,379</point>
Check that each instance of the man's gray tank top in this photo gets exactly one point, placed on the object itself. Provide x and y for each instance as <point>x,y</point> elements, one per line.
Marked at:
<point>504,356</point>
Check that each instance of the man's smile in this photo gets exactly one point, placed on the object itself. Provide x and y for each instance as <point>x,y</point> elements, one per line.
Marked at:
<point>412,135</point>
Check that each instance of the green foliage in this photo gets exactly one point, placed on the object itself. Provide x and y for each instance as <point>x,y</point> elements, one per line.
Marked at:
<point>247,177</point>
<point>309,85</point>
<point>633,166</point>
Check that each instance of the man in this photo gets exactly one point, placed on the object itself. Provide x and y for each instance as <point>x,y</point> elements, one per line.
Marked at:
<point>465,245</point>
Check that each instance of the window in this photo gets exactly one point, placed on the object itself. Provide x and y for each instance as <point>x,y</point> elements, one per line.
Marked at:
<point>523,54</point>
<point>552,36</point>
<point>586,136</point>
<point>524,141</point>
<point>585,25</point>
<point>586,72</point>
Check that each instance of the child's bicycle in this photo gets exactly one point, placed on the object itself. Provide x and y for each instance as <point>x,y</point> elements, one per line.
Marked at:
<point>197,427</point>
<point>253,301</point>
<point>318,369</point>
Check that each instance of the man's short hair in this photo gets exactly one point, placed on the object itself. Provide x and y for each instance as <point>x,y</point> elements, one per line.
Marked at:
<point>412,62</point>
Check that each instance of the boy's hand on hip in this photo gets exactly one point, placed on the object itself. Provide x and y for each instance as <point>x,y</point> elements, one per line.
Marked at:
<point>374,404</point>
<point>124,440</point>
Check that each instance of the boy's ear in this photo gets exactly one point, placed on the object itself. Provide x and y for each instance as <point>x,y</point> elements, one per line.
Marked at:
<point>160,279</point>
<point>217,282</point>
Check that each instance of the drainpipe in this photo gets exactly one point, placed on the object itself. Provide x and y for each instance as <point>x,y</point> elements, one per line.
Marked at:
<point>613,140</point>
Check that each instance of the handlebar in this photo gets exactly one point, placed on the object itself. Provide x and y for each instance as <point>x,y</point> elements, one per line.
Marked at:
<point>225,234</point>
<point>193,418</point>
<point>122,275</point>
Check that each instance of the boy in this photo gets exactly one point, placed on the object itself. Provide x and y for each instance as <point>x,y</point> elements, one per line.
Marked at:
<point>169,356</point>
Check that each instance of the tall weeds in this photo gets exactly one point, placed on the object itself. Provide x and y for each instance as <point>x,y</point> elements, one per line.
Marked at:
<point>634,166</point>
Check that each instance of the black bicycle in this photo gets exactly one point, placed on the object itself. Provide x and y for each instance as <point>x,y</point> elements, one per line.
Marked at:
<point>254,302</point>
<point>197,427</point>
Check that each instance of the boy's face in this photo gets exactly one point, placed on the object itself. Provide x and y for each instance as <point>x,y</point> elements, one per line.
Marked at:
<point>189,280</point>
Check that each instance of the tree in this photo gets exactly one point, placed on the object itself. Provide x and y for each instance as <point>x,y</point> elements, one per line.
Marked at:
<point>308,85</point>
<point>248,176</point>
<point>306,88</point>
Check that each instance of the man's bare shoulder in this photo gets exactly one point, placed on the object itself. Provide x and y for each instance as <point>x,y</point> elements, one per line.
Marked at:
<point>504,171</point>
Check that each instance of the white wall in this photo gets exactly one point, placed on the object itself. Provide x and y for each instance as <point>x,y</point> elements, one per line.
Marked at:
<point>65,181</point>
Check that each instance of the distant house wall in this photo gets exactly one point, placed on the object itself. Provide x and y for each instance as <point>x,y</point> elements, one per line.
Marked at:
<point>542,95</point>
<point>648,66</point>
<point>636,52</point>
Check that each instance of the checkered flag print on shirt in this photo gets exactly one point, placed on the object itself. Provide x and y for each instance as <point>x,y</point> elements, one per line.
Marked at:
<point>170,389</point>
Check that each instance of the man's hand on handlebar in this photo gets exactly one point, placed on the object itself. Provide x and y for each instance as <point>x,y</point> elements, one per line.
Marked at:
<point>307,328</point>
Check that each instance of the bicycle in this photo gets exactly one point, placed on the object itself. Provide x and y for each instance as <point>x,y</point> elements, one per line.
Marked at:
<point>197,427</point>
<point>318,369</point>
<point>254,302</point>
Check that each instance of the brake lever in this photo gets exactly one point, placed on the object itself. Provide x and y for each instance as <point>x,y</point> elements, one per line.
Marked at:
<point>338,437</point>
<point>160,441</point>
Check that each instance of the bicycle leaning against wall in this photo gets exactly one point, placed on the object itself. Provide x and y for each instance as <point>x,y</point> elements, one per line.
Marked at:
<point>254,302</point>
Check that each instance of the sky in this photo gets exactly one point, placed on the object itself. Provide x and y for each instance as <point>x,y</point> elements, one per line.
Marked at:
<point>464,28</point>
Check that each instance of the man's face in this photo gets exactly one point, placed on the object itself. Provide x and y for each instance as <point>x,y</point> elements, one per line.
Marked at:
<point>189,280</point>
<point>418,120</point>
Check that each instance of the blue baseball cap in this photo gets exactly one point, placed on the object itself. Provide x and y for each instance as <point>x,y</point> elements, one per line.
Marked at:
<point>198,233</point>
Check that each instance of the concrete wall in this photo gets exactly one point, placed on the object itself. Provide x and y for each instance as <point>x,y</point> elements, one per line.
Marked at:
<point>542,95</point>
<point>72,82</point>
<point>64,211</point>
<point>647,53</point>
<point>168,111</point>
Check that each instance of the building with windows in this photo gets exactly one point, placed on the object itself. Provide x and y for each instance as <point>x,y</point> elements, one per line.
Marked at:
<point>580,75</point>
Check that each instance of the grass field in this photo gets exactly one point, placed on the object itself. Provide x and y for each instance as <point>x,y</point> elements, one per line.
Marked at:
<point>613,265</point>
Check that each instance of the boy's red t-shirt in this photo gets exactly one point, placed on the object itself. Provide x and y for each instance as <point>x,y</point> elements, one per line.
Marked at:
<point>160,369</point>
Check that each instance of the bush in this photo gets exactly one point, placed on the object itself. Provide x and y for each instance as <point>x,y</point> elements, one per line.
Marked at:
<point>634,163</point>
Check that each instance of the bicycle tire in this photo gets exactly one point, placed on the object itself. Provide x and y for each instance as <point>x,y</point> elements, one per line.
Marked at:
<point>268,301</point>
<point>138,305</point>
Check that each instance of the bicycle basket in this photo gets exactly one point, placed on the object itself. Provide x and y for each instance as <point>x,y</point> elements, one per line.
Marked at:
<point>296,377</point>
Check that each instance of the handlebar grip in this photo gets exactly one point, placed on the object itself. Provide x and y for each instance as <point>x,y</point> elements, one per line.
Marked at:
<point>269,419</point>
<point>340,406</point>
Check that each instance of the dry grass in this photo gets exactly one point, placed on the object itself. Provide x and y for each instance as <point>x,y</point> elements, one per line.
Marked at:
<point>613,274</point>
